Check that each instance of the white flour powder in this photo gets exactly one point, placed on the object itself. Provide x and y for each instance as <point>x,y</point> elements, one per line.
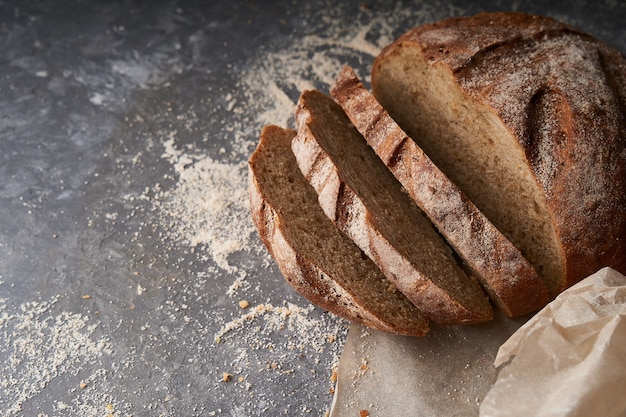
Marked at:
<point>208,206</point>
<point>42,348</point>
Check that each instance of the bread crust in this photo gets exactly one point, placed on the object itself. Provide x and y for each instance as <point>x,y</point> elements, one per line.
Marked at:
<point>510,280</point>
<point>562,95</point>
<point>301,270</point>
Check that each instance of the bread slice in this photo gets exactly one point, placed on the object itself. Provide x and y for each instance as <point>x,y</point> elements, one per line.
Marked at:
<point>361,196</point>
<point>528,117</point>
<point>318,260</point>
<point>510,280</point>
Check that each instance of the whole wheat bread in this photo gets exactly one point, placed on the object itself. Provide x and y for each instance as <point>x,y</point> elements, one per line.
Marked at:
<point>361,196</point>
<point>315,258</point>
<point>511,281</point>
<point>528,117</point>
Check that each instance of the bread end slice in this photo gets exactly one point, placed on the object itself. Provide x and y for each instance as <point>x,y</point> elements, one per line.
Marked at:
<point>315,258</point>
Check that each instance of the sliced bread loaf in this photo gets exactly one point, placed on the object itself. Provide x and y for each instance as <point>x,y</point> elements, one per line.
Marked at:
<point>361,196</point>
<point>318,260</point>
<point>510,280</point>
<point>528,117</point>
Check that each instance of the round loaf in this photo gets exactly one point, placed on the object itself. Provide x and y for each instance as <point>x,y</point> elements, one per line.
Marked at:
<point>528,117</point>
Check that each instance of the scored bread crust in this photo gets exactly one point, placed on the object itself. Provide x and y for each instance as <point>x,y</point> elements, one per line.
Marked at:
<point>510,280</point>
<point>359,194</point>
<point>315,258</point>
<point>561,95</point>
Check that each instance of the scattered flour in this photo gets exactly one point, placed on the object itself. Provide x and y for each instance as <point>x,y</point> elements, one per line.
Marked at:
<point>40,347</point>
<point>208,206</point>
<point>313,333</point>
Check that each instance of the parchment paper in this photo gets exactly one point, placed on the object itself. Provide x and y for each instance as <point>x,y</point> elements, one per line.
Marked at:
<point>568,360</point>
<point>446,373</point>
<point>450,371</point>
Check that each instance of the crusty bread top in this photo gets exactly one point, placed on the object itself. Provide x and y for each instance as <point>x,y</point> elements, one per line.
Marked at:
<point>561,95</point>
<point>510,280</point>
<point>361,196</point>
<point>318,260</point>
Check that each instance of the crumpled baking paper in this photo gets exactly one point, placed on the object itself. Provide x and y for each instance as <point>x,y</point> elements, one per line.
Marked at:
<point>570,358</point>
<point>571,350</point>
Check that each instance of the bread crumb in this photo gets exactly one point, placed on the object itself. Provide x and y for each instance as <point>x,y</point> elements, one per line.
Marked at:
<point>333,376</point>
<point>86,297</point>
<point>226,376</point>
<point>82,385</point>
<point>244,304</point>
<point>241,379</point>
<point>364,413</point>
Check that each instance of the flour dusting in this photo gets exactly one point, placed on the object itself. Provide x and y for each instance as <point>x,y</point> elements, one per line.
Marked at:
<point>209,205</point>
<point>40,347</point>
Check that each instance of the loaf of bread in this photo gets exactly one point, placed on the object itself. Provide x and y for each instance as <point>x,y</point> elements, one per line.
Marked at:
<point>315,258</point>
<point>508,277</point>
<point>508,131</point>
<point>528,117</point>
<point>361,196</point>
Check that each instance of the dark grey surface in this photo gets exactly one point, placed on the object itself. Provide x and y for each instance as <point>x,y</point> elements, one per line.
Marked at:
<point>82,137</point>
